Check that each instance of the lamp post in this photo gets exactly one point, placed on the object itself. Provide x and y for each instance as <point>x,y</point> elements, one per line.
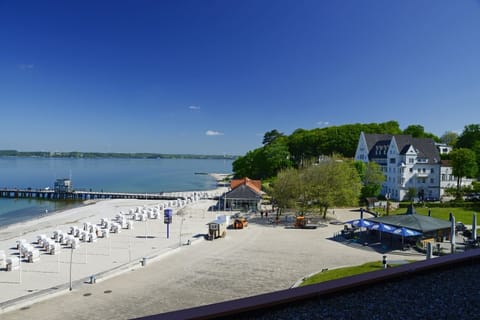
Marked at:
<point>71,258</point>
<point>387,196</point>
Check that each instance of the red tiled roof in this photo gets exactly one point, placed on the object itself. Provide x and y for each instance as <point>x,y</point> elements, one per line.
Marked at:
<point>253,184</point>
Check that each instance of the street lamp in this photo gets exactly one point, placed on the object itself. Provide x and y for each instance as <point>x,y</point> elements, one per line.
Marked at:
<point>71,258</point>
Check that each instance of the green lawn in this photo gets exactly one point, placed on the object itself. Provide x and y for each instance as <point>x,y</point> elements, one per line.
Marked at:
<point>342,272</point>
<point>461,214</point>
<point>345,272</point>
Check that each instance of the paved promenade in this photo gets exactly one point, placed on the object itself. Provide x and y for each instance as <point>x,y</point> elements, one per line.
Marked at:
<point>261,258</point>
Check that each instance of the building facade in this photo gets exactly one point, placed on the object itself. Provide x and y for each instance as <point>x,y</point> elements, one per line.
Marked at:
<point>408,163</point>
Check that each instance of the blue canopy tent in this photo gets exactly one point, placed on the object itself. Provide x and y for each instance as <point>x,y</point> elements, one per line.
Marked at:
<point>360,223</point>
<point>404,232</point>
<point>383,228</point>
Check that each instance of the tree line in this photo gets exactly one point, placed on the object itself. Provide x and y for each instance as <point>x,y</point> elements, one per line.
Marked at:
<point>280,151</point>
<point>95,155</point>
<point>314,169</point>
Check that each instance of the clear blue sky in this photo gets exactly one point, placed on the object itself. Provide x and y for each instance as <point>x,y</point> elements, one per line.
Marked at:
<point>211,77</point>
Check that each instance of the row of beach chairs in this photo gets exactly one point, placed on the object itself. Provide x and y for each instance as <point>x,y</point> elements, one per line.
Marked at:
<point>88,233</point>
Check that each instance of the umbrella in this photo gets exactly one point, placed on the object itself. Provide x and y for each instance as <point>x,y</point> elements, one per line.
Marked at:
<point>404,232</point>
<point>360,223</point>
<point>382,228</point>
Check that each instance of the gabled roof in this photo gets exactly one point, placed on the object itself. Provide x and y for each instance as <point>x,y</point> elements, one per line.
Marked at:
<point>253,184</point>
<point>414,221</point>
<point>244,192</point>
<point>424,147</point>
<point>375,141</point>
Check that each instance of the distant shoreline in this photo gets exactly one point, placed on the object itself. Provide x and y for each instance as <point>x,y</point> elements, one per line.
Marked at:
<point>109,155</point>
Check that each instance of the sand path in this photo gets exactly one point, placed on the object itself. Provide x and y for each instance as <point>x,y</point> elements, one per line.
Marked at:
<point>261,258</point>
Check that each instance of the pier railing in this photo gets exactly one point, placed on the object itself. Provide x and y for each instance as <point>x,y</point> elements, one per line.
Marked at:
<point>80,195</point>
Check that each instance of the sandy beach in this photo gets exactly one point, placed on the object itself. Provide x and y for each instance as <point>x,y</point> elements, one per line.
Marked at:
<point>106,256</point>
<point>260,258</point>
<point>148,269</point>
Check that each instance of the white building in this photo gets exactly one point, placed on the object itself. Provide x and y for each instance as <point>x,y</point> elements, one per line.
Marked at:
<point>407,163</point>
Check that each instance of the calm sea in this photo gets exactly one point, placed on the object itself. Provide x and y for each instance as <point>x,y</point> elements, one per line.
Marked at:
<point>120,175</point>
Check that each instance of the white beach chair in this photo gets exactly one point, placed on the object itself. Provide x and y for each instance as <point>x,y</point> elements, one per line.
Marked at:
<point>114,228</point>
<point>24,248</point>
<point>105,233</point>
<point>104,222</point>
<point>54,248</point>
<point>33,255</point>
<point>129,224</point>
<point>92,237</point>
<point>83,235</point>
<point>2,259</point>
<point>12,263</point>
<point>41,238</point>
<point>75,243</point>
<point>20,242</point>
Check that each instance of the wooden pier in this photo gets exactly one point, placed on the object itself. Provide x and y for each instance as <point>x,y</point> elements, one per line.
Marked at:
<point>48,194</point>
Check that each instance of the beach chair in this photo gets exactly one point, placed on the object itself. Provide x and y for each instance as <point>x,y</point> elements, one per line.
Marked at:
<point>41,238</point>
<point>62,238</point>
<point>33,255</point>
<point>54,248</point>
<point>56,235</point>
<point>129,225</point>
<point>24,248</point>
<point>75,243</point>
<point>92,237</point>
<point>2,259</point>
<point>20,242</point>
<point>105,233</point>
<point>46,245</point>
<point>83,235</point>
<point>68,239</point>
<point>114,227</point>
<point>12,263</point>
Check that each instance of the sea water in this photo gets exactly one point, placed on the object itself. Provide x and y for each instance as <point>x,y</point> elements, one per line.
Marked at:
<point>104,174</point>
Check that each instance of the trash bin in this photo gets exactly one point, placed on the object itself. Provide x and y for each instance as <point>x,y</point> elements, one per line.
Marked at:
<point>143,262</point>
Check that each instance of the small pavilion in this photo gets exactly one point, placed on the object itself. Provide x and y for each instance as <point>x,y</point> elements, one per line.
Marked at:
<point>245,195</point>
<point>428,226</point>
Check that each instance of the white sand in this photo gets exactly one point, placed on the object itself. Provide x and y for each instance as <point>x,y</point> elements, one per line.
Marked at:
<point>117,253</point>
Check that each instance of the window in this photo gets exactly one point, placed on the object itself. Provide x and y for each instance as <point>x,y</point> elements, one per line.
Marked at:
<point>392,160</point>
<point>411,170</point>
<point>410,160</point>
<point>432,180</point>
<point>432,170</point>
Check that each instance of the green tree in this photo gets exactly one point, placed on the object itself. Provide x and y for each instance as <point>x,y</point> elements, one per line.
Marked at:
<point>464,164</point>
<point>286,189</point>
<point>270,136</point>
<point>411,193</point>
<point>469,136</point>
<point>276,157</point>
<point>449,138</point>
<point>418,131</point>
<point>372,178</point>
<point>415,130</point>
<point>332,184</point>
